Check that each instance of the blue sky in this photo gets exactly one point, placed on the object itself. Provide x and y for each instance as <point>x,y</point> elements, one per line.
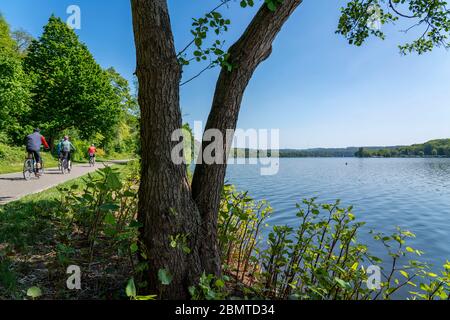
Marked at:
<point>318,90</point>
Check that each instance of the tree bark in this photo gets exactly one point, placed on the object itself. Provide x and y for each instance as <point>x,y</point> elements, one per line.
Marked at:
<point>254,46</point>
<point>166,207</point>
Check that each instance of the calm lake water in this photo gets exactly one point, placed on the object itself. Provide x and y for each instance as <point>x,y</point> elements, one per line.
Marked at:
<point>385,193</point>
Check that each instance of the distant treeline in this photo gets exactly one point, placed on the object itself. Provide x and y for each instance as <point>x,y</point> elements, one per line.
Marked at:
<point>433,148</point>
<point>296,153</point>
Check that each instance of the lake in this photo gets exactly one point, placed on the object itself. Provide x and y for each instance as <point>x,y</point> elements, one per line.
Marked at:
<point>385,192</point>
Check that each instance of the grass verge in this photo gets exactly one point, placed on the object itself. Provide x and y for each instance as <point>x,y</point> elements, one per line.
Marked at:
<point>32,251</point>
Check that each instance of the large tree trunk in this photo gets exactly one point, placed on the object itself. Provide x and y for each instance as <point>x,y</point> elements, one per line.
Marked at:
<point>166,207</point>
<point>246,54</point>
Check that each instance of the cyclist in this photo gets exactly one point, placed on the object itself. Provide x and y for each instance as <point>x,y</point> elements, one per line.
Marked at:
<point>66,149</point>
<point>34,142</point>
<point>58,149</point>
<point>91,151</point>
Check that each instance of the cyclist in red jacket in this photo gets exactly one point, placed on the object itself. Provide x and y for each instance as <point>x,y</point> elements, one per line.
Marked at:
<point>91,151</point>
<point>34,142</point>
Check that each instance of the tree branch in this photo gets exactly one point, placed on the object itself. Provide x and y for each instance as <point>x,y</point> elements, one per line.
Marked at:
<point>224,2</point>
<point>398,12</point>
<point>210,66</point>
<point>253,47</point>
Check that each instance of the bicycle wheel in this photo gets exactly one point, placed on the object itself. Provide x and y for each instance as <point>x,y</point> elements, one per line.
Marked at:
<point>64,166</point>
<point>28,169</point>
<point>42,169</point>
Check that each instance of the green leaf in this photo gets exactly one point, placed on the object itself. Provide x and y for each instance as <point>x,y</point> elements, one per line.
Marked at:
<point>343,284</point>
<point>109,207</point>
<point>145,298</point>
<point>165,277</point>
<point>34,292</point>
<point>219,283</point>
<point>198,42</point>
<point>134,248</point>
<point>110,218</point>
<point>272,7</point>
<point>131,289</point>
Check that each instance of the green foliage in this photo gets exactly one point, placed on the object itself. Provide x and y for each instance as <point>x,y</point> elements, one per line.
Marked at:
<point>125,135</point>
<point>34,292</point>
<point>437,288</point>
<point>12,158</point>
<point>64,254</point>
<point>362,153</point>
<point>6,41</point>
<point>439,147</point>
<point>211,22</point>
<point>106,207</point>
<point>273,4</point>
<point>322,258</point>
<point>211,49</point>
<point>23,41</point>
<point>41,230</point>
<point>432,17</point>
<point>54,83</point>
<point>209,288</point>
<point>8,278</point>
<point>70,90</point>
<point>241,220</point>
<point>14,87</point>
<point>131,292</point>
<point>164,276</point>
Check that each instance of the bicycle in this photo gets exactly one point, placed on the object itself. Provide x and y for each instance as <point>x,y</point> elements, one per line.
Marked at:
<point>91,160</point>
<point>29,167</point>
<point>60,163</point>
<point>66,164</point>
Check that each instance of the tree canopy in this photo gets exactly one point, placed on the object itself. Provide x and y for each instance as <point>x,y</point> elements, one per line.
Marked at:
<point>429,19</point>
<point>70,90</point>
<point>14,86</point>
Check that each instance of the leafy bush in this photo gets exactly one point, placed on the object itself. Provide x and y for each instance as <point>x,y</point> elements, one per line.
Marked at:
<point>11,154</point>
<point>240,222</point>
<point>209,288</point>
<point>105,209</point>
<point>321,258</point>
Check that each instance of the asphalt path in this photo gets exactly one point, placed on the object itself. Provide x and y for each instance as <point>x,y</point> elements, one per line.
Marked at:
<point>13,186</point>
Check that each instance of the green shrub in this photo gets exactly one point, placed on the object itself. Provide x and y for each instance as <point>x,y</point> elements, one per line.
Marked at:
<point>105,209</point>
<point>319,259</point>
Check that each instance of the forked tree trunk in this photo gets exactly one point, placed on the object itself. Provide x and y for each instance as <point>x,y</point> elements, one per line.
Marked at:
<point>167,207</point>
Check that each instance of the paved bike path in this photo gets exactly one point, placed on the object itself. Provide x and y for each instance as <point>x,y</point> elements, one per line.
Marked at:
<point>13,186</point>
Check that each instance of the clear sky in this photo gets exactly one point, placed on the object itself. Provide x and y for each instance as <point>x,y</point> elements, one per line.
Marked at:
<point>318,90</point>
